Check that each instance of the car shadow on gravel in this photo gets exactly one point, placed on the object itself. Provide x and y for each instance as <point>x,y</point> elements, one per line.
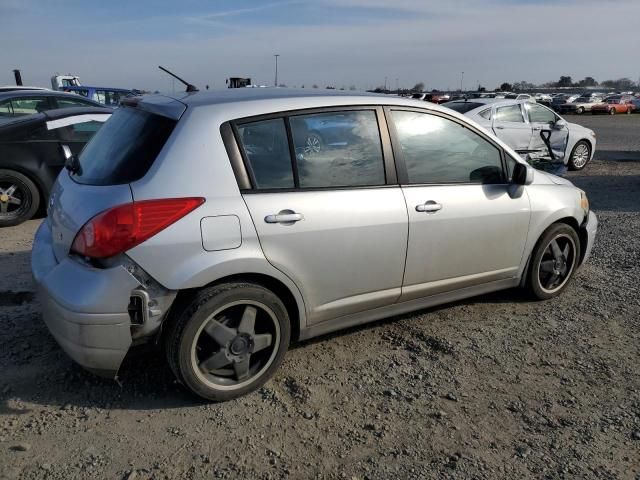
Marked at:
<point>618,155</point>
<point>512,295</point>
<point>145,380</point>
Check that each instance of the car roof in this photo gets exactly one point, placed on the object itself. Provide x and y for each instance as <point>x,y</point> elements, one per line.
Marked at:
<point>331,97</point>
<point>248,102</point>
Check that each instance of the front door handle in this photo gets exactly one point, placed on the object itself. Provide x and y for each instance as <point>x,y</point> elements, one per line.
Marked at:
<point>287,217</point>
<point>429,207</point>
<point>499,128</point>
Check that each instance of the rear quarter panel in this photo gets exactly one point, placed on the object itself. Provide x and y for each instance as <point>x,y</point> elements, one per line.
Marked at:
<point>195,163</point>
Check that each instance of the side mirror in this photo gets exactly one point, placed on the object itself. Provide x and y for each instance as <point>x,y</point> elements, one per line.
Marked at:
<point>522,174</point>
<point>70,161</point>
<point>560,124</point>
<point>66,152</point>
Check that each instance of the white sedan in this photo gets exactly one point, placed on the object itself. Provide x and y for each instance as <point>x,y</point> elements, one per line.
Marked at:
<point>533,130</point>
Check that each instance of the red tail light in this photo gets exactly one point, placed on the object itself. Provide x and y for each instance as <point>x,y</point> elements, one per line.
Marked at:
<point>123,227</point>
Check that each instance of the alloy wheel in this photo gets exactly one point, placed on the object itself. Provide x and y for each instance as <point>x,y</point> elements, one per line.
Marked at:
<point>556,263</point>
<point>312,144</point>
<point>580,156</point>
<point>235,345</point>
<point>14,198</point>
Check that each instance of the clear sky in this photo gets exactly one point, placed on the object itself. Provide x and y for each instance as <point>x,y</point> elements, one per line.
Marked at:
<point>337,42</point>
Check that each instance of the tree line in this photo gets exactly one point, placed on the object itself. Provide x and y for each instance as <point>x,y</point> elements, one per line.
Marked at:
<point>565,81</point>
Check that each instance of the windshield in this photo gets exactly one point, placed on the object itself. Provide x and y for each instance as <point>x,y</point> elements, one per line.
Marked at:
<point>462,107</point>
<point>511,96</point>
<point>124,149</point>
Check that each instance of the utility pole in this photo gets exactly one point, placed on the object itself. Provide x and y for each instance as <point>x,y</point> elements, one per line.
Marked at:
<point>461,79</point>
<point>385,84</point>
<point>276,55</point>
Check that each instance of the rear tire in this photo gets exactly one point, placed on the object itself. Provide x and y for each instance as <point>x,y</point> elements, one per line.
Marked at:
<point>580,110</point>
<point>228,340</point>
<point>553,261</point>
<point>19,198</point>
<point>628,111</point>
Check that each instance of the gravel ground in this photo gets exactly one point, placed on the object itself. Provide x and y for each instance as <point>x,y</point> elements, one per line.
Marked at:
<point>491,387</point>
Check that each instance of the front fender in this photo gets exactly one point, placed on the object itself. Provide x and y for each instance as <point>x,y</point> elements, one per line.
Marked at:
<point>550,204</point>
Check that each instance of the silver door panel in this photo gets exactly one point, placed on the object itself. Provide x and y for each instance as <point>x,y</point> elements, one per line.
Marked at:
<point>345,249</point>
<point>477,236</point>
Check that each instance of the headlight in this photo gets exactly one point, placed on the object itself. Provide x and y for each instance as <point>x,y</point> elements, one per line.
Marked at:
<point>593,134</point>
<point>584,203</point>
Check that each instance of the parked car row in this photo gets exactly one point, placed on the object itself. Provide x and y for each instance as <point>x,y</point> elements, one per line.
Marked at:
<point>595,103</point>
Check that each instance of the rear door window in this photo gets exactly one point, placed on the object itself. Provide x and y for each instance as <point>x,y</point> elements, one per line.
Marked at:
<point>124,148</point>
<point>539,114</point>
<point>510,113</point>
<point>338,149</point>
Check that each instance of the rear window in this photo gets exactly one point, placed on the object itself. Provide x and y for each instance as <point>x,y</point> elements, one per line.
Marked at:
<point>463,107</point>
<point>124,149</point>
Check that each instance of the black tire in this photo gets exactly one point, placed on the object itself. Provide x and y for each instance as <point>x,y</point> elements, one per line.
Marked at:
<point>580,110</point>
<point>539,283</point>
<point>612,111</point>
<point>24,191</point>
<point>187,343</point>
<point>577,164</point>
<point>628,111</point>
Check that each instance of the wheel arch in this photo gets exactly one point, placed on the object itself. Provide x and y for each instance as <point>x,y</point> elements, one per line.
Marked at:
<point>282,291</point>
<point>568,220</point>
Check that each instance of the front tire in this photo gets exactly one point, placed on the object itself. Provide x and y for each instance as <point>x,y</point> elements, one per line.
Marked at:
<point>612,111</point>
<point>19,198</point>
<point>228,340</point>
<point>553,261</point>
<point>580,155</point>
<point>580,110</point>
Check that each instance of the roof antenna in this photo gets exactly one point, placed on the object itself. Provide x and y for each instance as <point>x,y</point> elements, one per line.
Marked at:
<point>190,88</point>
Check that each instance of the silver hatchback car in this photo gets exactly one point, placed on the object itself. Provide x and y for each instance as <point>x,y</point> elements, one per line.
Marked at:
<point>224,225</point>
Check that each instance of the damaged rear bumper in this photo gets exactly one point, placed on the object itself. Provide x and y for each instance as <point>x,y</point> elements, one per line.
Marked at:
<point>84,308</point>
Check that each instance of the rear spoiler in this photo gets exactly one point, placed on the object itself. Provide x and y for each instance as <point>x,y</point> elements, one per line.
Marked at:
<point>156,104</point>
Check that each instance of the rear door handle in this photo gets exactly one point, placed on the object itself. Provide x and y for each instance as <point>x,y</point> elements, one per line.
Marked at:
<point>284,216</point>
<point>537,128</point>
<point>499,128</point>
<point>429,207</point>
